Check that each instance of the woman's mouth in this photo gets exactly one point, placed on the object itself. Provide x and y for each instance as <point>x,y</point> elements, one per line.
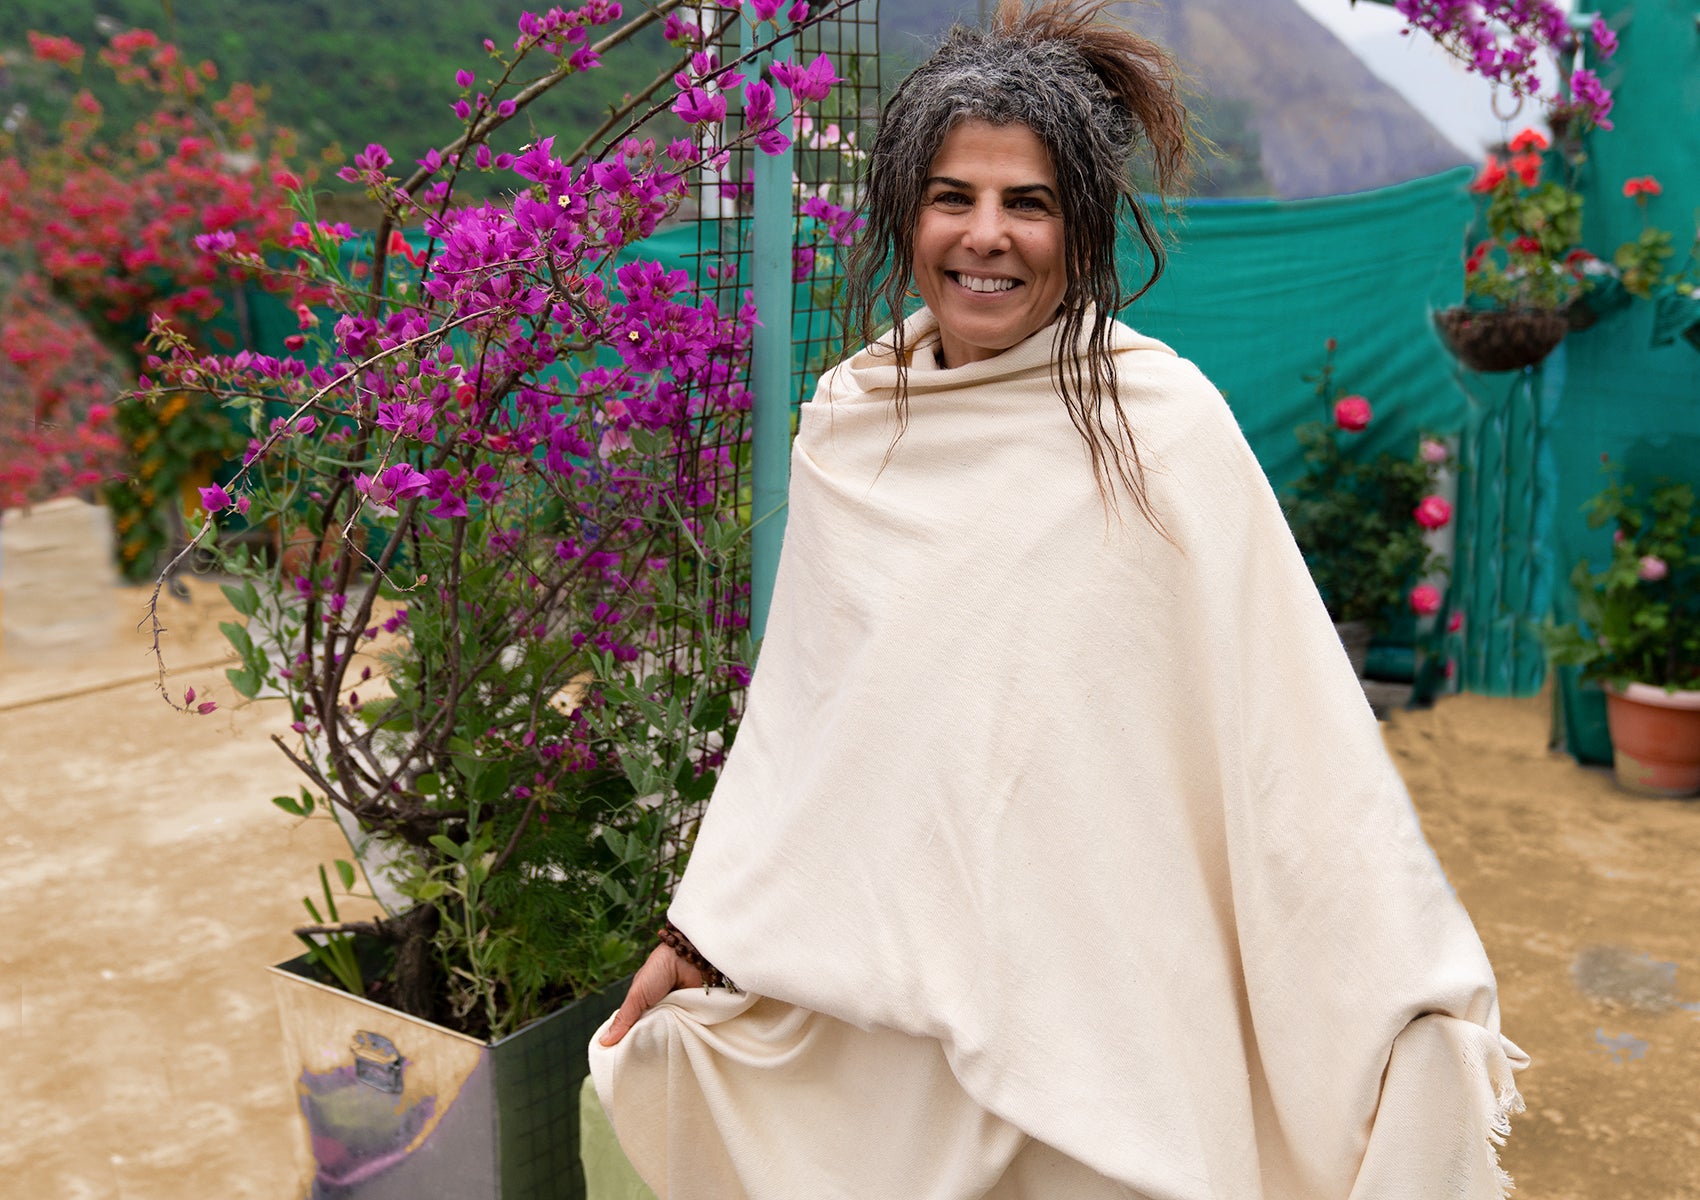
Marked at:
<point>984,284</point>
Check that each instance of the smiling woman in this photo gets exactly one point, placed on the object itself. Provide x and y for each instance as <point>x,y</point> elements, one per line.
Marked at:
<point>989,241</point>
<point>1058,855</point>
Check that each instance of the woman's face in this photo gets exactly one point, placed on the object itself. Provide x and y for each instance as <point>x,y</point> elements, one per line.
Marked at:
<point>989,260</point>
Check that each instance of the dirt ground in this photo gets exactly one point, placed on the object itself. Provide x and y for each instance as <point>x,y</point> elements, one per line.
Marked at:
<point>146,882</point>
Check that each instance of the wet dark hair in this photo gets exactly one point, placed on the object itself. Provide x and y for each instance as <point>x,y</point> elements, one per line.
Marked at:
<point>1095,93</point>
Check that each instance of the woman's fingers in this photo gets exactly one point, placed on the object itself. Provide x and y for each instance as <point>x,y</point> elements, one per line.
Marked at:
<point>658,976</point>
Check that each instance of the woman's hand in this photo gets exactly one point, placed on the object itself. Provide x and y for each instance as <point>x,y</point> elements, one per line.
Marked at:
<point>662,972</point>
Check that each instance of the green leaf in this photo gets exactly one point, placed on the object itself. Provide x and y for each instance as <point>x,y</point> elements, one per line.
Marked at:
<point>446,846</point>
<point>345,872</point>
<point>244,680</point>
<point>288,804</point>
<point>237,636</point>
<point>244,599</point>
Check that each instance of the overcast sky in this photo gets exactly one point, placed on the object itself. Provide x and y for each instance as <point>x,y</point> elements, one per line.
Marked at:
<point>1458,103</point>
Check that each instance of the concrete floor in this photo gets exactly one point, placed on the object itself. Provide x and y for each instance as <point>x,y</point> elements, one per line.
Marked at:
<point>146,882</point>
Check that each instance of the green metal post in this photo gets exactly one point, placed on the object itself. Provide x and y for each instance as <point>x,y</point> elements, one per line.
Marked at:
<point>771,376</point>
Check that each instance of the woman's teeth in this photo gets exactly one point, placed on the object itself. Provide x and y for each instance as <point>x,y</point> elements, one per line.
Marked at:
<point>975,283</point>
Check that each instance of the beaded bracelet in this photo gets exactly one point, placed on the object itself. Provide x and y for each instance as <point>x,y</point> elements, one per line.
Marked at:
<point>673,937</point>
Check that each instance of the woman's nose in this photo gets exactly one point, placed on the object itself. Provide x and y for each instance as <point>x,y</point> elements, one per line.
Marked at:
<point>987,232</point>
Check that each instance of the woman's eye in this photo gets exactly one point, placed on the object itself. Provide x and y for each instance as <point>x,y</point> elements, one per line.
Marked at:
<point>951,199</point>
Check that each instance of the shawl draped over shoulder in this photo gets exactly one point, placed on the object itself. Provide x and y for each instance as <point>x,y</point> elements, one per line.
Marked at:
<point>1101,809</point>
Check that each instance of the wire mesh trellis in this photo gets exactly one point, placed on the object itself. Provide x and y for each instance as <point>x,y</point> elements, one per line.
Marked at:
<point>826,156</point>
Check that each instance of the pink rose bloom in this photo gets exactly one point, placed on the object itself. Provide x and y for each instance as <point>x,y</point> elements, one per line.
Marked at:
<point>1432,513</point>
<point>1352,413</point>
<point>1652,568</point>
<point>1425,600</point>
<point>1434,452</point>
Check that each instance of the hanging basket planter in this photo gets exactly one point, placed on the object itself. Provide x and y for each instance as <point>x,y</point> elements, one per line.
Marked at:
<point>1676,314</point>
<point>1507,339</point>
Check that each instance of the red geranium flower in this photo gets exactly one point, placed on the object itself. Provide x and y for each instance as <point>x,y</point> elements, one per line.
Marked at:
<point>1528,168</point>
<point>1492,175</point>
<point>1642,185</point>
<point>1529,139</point>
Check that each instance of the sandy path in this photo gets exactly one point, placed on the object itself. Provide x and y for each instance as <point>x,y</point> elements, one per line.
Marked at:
<point>145,882</point>
<point>1588,900</point>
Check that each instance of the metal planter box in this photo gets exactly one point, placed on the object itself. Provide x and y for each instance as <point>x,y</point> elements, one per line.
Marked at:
<point>395,1108</point>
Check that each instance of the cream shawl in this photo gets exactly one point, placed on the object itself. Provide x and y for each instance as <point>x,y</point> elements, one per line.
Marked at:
<point>1104,813</point>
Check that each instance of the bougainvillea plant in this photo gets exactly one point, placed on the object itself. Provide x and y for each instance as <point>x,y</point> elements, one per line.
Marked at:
<point>105,221</point>
<point>1502,41</point>
<point>1361,522</point>
<point>507,454</point>
<point>57,387</point>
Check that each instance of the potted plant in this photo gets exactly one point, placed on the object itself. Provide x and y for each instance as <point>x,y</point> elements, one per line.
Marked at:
<point>1521,278</point>
<point>1362,523</point>
<point>1639,632</point>
<point>514,646</point>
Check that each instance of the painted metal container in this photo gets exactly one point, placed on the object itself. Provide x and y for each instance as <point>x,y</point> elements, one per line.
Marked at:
<point>395,1108</point>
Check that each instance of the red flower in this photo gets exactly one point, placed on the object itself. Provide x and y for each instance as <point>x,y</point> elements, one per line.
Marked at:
<point>1642,185</point>
<point>1425,600</point>
<point>1492,175</point>
<point>1352,413</point>
<point>1528,168</point>
<point>1527,245</point>
<point>1432,512</point>
<point>1529,139</point>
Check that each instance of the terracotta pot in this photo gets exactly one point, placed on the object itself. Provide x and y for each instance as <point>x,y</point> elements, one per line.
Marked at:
<point>295,551</point>
<point>1655,739</point>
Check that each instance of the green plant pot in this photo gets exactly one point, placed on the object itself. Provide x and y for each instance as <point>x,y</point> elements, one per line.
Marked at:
<point>395,1108</point>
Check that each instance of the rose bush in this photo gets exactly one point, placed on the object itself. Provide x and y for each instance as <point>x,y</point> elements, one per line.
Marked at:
<point>1360,523</point>
<point>1639,614</point>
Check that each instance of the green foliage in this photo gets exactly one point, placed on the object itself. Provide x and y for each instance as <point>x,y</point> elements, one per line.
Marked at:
<point>1641,262</point>
<point>343,75</point>
<point>1640,615</point>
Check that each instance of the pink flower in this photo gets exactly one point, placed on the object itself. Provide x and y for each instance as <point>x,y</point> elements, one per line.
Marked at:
<point>1352,413</point>
<point>215,498</point>
<point>1455,623</point>
<point>1425,600</point>
<point>1434,451</point>
<point>1432,512</point>
<point>1652,568</point>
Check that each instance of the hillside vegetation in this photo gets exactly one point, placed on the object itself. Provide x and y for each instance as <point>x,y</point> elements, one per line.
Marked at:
<point>346,74</point>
